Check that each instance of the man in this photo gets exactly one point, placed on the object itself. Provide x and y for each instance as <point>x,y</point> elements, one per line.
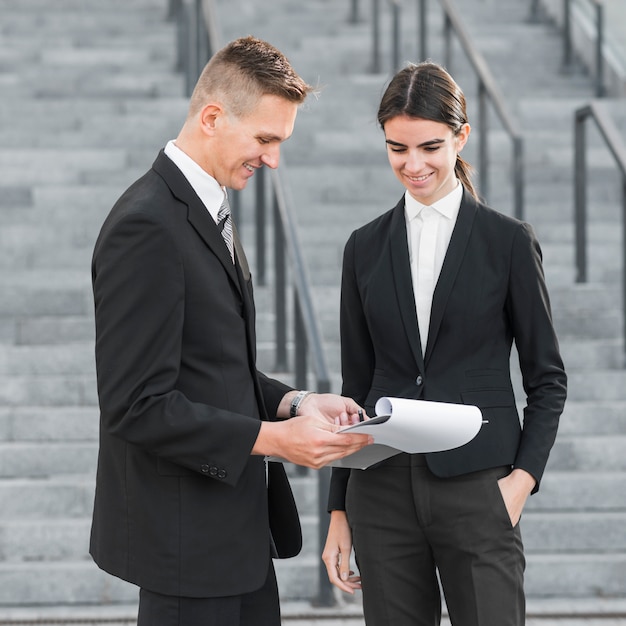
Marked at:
<point>181,506</point>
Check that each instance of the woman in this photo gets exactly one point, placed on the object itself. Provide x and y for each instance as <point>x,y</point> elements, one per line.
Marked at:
<point>434,292</point>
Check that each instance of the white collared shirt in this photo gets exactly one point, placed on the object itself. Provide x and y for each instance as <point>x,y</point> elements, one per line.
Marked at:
<point>207,188</point>
<point>446,210</point>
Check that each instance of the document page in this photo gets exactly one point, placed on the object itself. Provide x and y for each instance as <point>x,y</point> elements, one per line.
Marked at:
<point>403,425</point>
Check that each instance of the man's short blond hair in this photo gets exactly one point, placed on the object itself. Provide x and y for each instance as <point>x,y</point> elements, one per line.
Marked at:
<point>243,71</point>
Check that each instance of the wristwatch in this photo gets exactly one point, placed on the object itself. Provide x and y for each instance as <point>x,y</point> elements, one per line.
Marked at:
<point>297,401</point>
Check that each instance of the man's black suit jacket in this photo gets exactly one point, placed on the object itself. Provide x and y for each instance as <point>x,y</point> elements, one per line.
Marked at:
<point>181,505</point>
<point>491,292</point>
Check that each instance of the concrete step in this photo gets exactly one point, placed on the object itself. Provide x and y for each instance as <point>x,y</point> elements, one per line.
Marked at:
<point>60,82</point>
<point>37,6</point>
<point>593,418</point>
<point>589,453</point>
<point>64,535</point>
<point>568,533</point>
<point>63,540</point>
<point>48,390</point>
<point>45,293</point>
<point>48,330</point>
<point>68,114</point>
<point>58,166</point>
<point>138,130</point>
<point>575,575</point>
<point>608,384</point>
<point>64,359</point>
<point>70,582</point>
<point>61,424</point>
<point>80,582</point>
<point>47,499</point>
<point>571,491</point>
<point>47,459</point>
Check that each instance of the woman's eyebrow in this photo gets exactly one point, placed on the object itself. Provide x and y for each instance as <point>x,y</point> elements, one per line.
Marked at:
<point>431,142</point>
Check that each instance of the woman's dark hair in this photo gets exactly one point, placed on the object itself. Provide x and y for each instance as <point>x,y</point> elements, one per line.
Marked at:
<point>426,91</point>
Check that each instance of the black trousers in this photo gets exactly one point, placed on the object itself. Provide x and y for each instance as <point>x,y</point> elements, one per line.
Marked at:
<point>259,608</point>
<point>413,531</point>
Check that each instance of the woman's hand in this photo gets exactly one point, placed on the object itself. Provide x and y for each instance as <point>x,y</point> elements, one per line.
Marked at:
<point>336,553</point>
<point>515,489</point>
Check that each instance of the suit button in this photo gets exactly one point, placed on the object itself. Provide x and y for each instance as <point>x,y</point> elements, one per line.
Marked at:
<point>222,474</point>
<point>212,470</point>
<point>204,469</point>
<point>419,381</point>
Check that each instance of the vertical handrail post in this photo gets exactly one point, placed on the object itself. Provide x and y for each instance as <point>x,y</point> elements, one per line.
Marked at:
<point>395,35</point>
<point>181,36</point>
<point>624,264</point>
<point>447,39</point>
<point>326,596</point>
<point>567,63</point>
<point>483,150</point>
<point>300,356</point>
<point>260,215</point>
<point>533,15</point>
<point>280,290</point>
<point>203,44</point>
<point>190,52</point>
<point>580,196</point>
<point>354,12</point>
<point>423,44</point>
<point>600,91</point>
<point>173,9</point>
<point>518,177</point>
<point>375,37</point>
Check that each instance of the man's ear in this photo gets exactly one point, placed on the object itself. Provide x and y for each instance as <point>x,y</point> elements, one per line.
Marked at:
<point>209,117</point>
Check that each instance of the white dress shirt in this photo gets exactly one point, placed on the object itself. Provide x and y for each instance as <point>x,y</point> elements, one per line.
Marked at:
<point>445,211</point>
<point>207,188</point>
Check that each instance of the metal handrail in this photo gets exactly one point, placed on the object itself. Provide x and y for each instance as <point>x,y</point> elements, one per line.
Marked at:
<point>199,22</point>
<point>612,138</point>
<point>202,15</point>
<point>568,57</point>
<point>488,92</point>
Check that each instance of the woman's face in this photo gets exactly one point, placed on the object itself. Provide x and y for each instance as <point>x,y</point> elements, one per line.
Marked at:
<point>422,154</point>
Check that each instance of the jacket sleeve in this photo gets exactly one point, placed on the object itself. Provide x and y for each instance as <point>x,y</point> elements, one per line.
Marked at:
<point>139,295</point>
<point>543,374</point>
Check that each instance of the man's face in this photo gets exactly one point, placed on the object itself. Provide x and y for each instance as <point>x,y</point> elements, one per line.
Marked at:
<point>241,145</point>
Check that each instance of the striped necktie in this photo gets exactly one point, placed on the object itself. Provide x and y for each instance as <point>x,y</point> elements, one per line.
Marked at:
<point>225,224</point>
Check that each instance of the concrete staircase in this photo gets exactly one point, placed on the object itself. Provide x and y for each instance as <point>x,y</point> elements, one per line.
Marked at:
<point>89,95</point>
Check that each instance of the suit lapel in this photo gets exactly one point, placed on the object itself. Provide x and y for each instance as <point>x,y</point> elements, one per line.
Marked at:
<point>401,272</point>
<point>452,263</point>
<point>197,214</point>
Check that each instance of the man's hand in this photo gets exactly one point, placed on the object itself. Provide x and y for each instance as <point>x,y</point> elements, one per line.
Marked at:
<point>336,553</point>
<point>309,440</point>
<point>332,407</point>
